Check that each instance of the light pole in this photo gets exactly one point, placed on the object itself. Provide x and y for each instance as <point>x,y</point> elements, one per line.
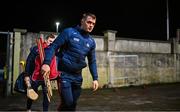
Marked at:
<point>167,18</point>
<point>57,26</point>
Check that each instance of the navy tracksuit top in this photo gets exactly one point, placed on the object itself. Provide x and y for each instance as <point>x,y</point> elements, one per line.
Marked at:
<point>75,45</point>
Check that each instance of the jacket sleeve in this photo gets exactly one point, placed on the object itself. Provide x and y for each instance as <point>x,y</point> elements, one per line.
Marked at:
<point>92,63</point>
<point>30,61</point>
<point>52,49</point>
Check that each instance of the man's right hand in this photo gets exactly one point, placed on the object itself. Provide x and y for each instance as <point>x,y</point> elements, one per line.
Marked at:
<point>45,68</point>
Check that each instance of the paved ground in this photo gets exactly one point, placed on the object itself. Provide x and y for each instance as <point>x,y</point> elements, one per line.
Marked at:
<point>164,97</point>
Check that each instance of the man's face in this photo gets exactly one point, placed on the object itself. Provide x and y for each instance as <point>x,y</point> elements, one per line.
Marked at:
<point>50,40</point>
<point>88,24</point>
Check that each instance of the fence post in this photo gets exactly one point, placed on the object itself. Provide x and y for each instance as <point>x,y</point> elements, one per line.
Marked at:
<point>109,47</point>
<point>17,51</point>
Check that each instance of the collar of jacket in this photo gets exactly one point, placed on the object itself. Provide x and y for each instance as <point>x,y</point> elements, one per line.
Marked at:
<point>78,28</point>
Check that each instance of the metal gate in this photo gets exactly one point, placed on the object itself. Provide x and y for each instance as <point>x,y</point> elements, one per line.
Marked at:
<point>6,70</point>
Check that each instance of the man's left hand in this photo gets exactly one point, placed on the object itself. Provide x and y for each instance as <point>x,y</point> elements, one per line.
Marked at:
<point>95,85</point>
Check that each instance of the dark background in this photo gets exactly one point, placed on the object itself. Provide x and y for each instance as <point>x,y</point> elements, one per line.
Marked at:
<point>142,19</point>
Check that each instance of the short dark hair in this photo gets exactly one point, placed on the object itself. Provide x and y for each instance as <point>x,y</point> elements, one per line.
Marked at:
<point>85,15</point>
<point>50,36</point>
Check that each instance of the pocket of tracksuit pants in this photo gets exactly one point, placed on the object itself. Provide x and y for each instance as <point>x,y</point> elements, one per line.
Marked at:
<point>64,81</point>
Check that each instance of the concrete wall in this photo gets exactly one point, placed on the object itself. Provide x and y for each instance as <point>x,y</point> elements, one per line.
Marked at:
<point>125,62</point>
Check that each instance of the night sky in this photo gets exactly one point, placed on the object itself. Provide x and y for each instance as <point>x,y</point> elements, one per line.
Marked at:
<point>141,19</point>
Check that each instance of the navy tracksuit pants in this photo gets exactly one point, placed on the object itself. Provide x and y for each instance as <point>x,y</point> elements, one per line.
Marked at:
<point>35,85</point>
<point>70,90</point>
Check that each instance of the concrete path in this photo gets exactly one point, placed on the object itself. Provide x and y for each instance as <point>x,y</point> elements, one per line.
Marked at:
<point>164,97</point>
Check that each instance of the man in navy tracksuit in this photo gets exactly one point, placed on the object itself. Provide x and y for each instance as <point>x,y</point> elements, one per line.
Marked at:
<point>76,44</point>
